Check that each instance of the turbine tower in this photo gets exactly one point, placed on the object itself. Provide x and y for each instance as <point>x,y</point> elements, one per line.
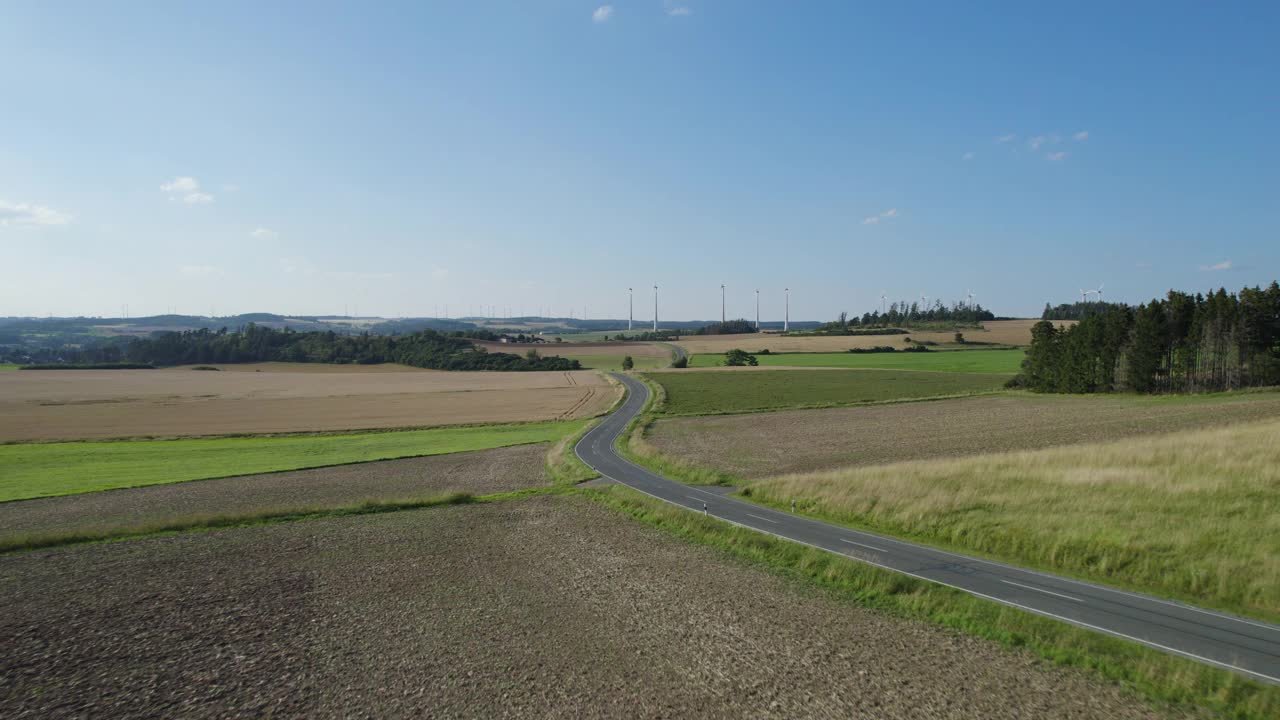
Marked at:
<point>757,311</point>
<point>631,307</point>
<point>722,304</point>
<point>969,297</point>
<point>655,307</point>
<point>1099,291</point>
<point>786,317</point>
<point>884,309</point>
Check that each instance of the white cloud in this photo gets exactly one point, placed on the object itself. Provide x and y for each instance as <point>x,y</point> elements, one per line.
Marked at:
<point>675,9</point>
<point>1037,141</point>
<point>1056,156</point>
<point>969,155</point>
<point>28,215</point>
<point>1007,138</point>
<point>1224,265</point>
<point>1081,136</point>
<point>186,189</point>
<point>261,233</point>
<point>602,14</point>
<point>181,185</point>
<point>200,270</point>
<point>886,215</point>
<point>439,273</point>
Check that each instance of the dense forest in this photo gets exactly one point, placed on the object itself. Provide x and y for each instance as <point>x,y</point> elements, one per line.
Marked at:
<point>1182,343</point>
<point>906,315</point>
<point>729,327</point>
<point>1077,310</point>
<point>426,349</point>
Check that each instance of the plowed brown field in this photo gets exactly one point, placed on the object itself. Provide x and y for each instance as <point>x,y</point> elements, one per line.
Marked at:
<point>74,404</point>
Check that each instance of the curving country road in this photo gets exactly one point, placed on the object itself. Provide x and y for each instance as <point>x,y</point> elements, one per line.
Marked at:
<point>1245,646</point>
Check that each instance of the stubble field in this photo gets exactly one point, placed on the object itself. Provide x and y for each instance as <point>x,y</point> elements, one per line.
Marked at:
<point>81,404</point>
<point>760,445</point>
<point>1000,332</point>
<point>551,606</point>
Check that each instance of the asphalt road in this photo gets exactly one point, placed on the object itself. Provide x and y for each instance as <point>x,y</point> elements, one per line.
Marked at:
<point>1245,646</point>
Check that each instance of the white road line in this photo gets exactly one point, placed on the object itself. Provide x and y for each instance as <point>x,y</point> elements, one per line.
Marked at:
<point>1046,592</point>
<point>869,547</point>
<point>775,522</point>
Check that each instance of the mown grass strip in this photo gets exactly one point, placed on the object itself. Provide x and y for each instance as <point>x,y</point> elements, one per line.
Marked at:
<point>201,522</point>
<point>52,469</point>
<point>1160,677</point>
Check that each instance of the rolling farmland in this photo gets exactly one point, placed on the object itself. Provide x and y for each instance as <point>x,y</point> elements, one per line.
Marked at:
<point>84,404</point>
<point>968,361</point>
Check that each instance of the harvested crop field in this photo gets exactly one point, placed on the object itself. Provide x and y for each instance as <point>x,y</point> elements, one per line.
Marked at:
<point>1000,332</point>
<point>757,446</point>
<point>83,404</point>
<point>478,473</point>
<point>542,607</point>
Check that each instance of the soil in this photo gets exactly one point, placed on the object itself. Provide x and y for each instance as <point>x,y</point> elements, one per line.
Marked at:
<point>83,404</point>
<point>478,473</point>
<point>545,607</point>
<point>765,444</point>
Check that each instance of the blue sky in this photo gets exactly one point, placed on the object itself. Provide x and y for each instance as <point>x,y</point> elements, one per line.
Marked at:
<point>394,158</point>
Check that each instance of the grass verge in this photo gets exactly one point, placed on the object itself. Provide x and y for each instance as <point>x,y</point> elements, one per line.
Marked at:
<point>1163,678</point>
<point>51,469</point>
<point>1190,515</point>
<point>719,393</point>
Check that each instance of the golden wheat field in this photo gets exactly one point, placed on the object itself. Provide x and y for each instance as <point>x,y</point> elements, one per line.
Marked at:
<point>1002,332</point>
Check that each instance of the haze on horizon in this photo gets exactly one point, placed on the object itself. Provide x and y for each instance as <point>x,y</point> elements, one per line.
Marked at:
<point>543,157</point>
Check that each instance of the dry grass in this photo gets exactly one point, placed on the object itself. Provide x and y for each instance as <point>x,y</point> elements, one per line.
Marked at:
<point>84,404</point>
<point>1194,514</point>
<point>760,446</point>
<point>1003,332</point>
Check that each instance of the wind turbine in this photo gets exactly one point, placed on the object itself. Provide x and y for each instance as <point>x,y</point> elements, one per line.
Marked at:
<point>786,317</point>
<point>884,309</point>
<point>1099,291</point>
<point>757,311</point>
<point>631,307</point>
<point>722,304</point>
<point>969,297</point>
<point>1084,295</point>
<point>655,307</point>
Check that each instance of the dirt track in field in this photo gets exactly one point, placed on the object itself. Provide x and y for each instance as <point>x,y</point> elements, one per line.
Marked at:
<point>76,404</point>
<point>549,607</point>
<point>765,444</point>
<point>478,473</point>
<point>1004,332</point>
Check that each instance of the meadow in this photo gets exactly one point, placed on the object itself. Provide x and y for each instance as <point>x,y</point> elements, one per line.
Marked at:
<point>968,361</point>
<point>50,469</point>
<point>732,391</point>
<point>997,332</point>
<point>8,366</point>
<point>1193,515</point>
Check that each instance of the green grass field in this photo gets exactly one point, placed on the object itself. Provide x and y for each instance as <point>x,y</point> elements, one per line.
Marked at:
<point>8,366</point>
<point>963,361</point>
<point>614,362</point>
<point>47,469</point>
<point>710,393</point>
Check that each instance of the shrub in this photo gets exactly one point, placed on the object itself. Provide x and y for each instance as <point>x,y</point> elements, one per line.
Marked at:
<point>738,358</point>
<point>628,363</point>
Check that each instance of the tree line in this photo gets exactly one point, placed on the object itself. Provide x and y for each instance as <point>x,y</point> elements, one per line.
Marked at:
<point>1078,310</point>
<point>1181,343</point>
<point>255,343</point>
<point>913,314</point>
